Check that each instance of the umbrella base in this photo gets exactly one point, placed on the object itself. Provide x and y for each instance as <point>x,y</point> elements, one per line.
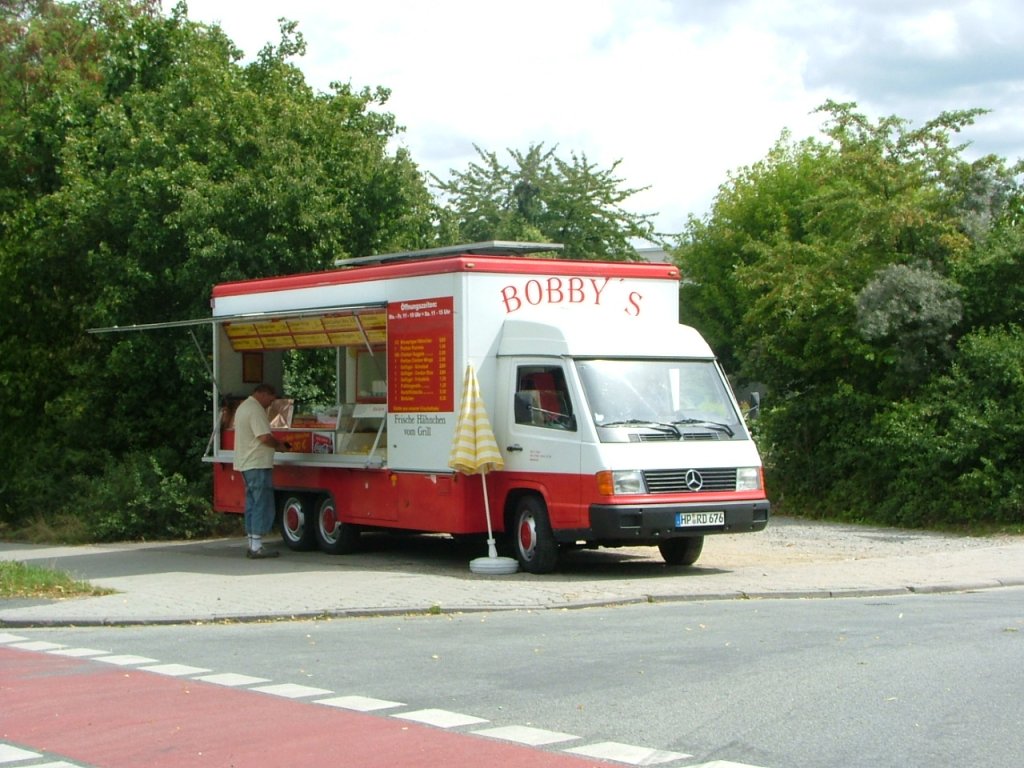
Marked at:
<point>495,566</point>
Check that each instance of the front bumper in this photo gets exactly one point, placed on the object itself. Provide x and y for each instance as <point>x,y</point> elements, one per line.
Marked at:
<point>653,523</point>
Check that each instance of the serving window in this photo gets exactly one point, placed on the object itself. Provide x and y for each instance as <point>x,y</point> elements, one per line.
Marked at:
<point>324,366</point>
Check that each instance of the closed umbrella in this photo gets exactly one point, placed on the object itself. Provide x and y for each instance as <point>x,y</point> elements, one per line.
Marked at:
<point>475,451</point>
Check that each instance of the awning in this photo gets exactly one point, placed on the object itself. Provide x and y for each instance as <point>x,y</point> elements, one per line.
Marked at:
<point>319,328</point>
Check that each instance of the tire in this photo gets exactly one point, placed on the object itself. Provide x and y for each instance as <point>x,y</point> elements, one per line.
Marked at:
<point>333,536</point>
<point>297,529</point>
<point>532,539</point>
<point>682,551</point>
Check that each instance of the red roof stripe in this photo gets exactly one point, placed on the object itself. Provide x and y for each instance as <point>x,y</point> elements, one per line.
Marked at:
<point>517,265</point>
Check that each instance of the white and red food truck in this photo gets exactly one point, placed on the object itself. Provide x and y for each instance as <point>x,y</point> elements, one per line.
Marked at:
<point>615,423</point>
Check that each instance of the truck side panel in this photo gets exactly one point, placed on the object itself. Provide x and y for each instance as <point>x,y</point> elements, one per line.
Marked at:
<point>417,501</point>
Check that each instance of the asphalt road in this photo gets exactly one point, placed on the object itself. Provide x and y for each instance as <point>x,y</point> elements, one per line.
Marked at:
<point>919,680</point>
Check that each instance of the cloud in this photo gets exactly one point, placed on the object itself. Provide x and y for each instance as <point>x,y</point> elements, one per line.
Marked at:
<point>682,91</point>
<point>917,59</point>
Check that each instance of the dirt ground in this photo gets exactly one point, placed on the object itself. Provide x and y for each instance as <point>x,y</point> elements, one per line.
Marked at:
<point>790,540</point>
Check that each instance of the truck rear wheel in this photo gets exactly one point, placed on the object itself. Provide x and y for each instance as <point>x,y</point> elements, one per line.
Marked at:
<point>532,539</point>
<point>333,536</point>
<point>297,528</point>
<point>682,551</point>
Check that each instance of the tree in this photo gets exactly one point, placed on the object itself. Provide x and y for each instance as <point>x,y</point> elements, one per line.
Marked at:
<point>756,207</point>
<point>882,203</point>
<point>146,164</point>
<point>913,311</point>
<point>841,274</point>
<point>992,210</point>
<point>546,199</point>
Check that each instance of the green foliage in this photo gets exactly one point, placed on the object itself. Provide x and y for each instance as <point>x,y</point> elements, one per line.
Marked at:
<point>840,275</point>
<point>544,198</point>
<point>912,311</point>
<point>958,443</point>
<point>135,498</point>
<point>807,472</point>
<point>990,272</point>
<point>309,378</point>
<point>758,208</point>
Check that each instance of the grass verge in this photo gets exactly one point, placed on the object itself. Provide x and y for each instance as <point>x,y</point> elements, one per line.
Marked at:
<point>21,580</point>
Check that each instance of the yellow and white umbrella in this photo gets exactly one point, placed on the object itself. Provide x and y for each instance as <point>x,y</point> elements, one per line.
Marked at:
<point>475,451</point>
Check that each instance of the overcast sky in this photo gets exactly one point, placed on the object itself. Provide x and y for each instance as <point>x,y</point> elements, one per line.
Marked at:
<point>681,91</point>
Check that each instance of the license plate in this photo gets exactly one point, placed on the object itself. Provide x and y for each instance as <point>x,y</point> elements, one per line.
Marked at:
<point>699,519</point>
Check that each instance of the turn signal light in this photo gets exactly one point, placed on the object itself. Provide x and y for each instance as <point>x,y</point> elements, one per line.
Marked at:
<point>620,482</point>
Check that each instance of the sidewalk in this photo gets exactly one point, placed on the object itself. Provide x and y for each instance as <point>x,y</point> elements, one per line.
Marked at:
<point>212,580</point>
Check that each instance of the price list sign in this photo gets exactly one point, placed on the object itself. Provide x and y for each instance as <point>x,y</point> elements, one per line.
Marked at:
<point>421,336</point>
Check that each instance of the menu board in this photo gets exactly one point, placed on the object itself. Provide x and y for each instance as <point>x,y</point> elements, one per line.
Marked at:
<point>421,355</point>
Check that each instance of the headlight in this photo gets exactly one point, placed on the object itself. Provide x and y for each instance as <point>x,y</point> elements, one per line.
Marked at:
<point>620,482</point>
<point>748,479</point>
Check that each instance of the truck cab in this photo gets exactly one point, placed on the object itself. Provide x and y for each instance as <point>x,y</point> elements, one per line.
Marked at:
<point>617,440</point>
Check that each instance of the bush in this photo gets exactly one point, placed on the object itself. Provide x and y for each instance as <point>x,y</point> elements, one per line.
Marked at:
<point>956,446</point>
<point>815,452</point>
<point>947,458</point>
<point>137,499</point>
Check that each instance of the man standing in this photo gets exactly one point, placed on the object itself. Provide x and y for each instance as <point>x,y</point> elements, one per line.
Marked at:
<point>254,458</point>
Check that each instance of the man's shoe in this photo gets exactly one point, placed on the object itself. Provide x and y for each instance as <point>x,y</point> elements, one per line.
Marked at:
<point>261,554</point>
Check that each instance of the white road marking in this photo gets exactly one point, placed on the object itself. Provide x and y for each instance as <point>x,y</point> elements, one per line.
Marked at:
<point>291,690</point>
<point>6,637</point>
<point>78,652</point>
<point>232,679</point>
<point>175,670</point>
<point>37,645</point>
<point>125,660</point>
<point>9,754</point>
<point>440,718</point>
<point>626,753</point>
<point>359,703</point>
<point>524,734</point>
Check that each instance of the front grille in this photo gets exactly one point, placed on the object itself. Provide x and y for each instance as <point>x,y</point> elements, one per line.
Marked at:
<point>674,480</point>
<point>702,436</point>
<point>644,437</point>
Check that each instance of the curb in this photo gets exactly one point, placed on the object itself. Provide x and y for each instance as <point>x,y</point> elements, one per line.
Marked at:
<point>439,610</point>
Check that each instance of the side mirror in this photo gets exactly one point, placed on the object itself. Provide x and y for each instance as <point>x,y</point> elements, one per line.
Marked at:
<point>755,406</point>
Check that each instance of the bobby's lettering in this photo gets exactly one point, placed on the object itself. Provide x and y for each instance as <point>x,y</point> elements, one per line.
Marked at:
<point>555,291</point>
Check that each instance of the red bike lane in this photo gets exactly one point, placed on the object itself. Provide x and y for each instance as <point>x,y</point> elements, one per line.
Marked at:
<point>87,712</point>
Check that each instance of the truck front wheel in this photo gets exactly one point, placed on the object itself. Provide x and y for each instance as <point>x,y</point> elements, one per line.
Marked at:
<point>333,536</point>
<point>682,551</point>
<point>297,524</point>
<point>532,539</point>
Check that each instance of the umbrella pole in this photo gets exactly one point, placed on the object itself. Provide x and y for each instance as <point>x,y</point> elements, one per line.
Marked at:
<point>491,549</point>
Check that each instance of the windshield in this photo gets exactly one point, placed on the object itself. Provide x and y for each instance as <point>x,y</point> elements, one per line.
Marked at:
<point>679,398</point>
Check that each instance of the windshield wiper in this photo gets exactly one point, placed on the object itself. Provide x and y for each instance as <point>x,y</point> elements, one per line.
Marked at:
<point>659,425</point>
<point>707,423</point>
